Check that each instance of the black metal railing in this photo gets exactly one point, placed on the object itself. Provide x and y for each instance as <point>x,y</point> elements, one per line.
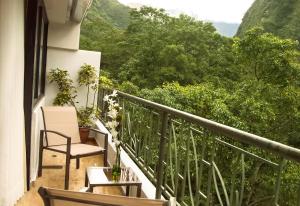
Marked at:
<point>202,162</point>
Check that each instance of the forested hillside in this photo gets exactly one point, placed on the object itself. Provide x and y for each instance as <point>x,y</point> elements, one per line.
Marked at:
<point>280,17</point>
<point>102,29</point>
<point>157,49</point>
<point>250,82</point>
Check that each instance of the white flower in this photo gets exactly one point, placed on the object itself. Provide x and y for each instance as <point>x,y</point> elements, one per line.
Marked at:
<point>111,102</point>
<point>114,133</point>
<point>113,113</point>
<point>106,98</point>
<point>114,94</point>
<point>112,124</point>
<point>117,143</point>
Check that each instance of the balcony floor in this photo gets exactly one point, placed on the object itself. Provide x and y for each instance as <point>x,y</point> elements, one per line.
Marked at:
<point>55,178</point>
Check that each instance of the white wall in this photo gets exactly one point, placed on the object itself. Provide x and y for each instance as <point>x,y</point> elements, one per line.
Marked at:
<point>64,36</point>
<point>12,135</point>
<point>71,61</point>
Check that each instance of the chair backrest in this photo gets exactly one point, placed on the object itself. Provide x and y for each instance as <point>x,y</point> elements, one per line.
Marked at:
<point>63,120</point>
<point>55,197</point>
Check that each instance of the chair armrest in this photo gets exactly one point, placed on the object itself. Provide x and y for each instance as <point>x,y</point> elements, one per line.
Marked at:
<point>58,133</point>
<point>98,131</point>
<point>105,137</point>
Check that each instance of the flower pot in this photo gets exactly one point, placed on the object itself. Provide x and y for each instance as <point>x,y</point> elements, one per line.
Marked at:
<point>84,134</point>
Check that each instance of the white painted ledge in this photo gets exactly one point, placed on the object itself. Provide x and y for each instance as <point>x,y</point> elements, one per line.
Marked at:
<point>148,189</point>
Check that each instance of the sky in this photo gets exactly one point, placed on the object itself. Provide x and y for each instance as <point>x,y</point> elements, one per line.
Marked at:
<point>230,11</point>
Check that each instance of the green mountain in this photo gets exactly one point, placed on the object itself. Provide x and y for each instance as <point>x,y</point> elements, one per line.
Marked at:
<point>111,11</point>
<point>280,17</point>
<point>103,27</point>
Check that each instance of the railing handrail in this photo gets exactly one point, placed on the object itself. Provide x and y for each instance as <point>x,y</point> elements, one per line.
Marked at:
<point>283,150</point>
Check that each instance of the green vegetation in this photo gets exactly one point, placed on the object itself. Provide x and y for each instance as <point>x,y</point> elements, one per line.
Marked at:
<point>280,17</point>
<point>251,83</point>
<point>67,92</point>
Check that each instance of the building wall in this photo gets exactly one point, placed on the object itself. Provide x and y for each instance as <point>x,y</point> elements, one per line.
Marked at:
<point>12,135</point>
<point>71,61</point>
<point>64,36</point>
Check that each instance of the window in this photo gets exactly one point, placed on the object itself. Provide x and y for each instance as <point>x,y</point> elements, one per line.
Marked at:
<point>40,52</point>
<point>36,30</point>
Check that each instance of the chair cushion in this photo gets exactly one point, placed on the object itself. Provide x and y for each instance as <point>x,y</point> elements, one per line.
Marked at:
<point>63,120</point>
<point>79,149</point>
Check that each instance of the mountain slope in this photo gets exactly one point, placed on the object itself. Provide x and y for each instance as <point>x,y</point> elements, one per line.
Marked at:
<point>111,11</point>
<point>103,27</point>
<point>281,17</point>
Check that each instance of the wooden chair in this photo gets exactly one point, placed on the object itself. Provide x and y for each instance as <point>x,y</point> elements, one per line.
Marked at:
<point>61,134</point>
<point>55,197</point>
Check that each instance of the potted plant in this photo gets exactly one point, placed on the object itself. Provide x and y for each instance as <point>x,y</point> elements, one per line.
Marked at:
<point>86,118</point>
<point>88,78</point>
<point>67,94</point>
<point>114,124</point>
<point>66,91</point>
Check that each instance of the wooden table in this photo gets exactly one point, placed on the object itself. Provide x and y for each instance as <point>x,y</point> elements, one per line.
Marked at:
<point>102,176</point>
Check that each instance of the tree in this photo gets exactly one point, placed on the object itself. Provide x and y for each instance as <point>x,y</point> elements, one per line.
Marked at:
<point>268,58</point>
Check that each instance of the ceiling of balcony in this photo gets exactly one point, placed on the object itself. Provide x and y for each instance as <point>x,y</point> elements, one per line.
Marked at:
<point>62,11</point>
<point>58,11</point>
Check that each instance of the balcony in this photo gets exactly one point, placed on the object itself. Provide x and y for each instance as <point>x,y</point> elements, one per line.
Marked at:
<point>201,162</point>
<point>198,161</point>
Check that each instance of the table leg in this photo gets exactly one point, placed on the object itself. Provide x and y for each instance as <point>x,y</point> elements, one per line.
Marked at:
<point>127,190</point>
<point>86,180</point>
<point>139,190</point>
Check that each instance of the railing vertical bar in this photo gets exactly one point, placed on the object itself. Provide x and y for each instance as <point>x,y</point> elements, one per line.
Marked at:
<point>241,194</point>
<point>176,160</point>
<point>210,174</point>
<point>232,187</point>
<point>170,158</point>
<point>203,149</point>
<point>278,181</point>
<point>162,147</point>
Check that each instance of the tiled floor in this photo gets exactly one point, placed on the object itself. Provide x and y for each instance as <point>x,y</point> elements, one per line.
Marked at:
<point>55,178</point>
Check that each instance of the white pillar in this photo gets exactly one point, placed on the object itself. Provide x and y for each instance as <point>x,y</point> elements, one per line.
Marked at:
<point>12,141</point>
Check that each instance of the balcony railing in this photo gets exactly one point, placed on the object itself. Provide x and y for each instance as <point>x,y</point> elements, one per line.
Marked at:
<point>202,162</point>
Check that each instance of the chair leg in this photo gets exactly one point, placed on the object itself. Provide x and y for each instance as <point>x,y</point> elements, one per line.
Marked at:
<point>105,158</point>
<point>40,163</point>
<point>77,163</point>
<point>67,175</point>
<point>40,155</point>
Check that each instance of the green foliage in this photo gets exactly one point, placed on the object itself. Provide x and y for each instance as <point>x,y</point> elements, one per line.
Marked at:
<point>129,87</point>
<point>250,83</point>
<point>87,75</point>
<point>171,49</point>
<point>269,58</point>
<point>105,82</point>
<point>87,116</point>
<point>113,12</point>
<point>66,91</point>
<point>102,29</point>
<point>280,17</point>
